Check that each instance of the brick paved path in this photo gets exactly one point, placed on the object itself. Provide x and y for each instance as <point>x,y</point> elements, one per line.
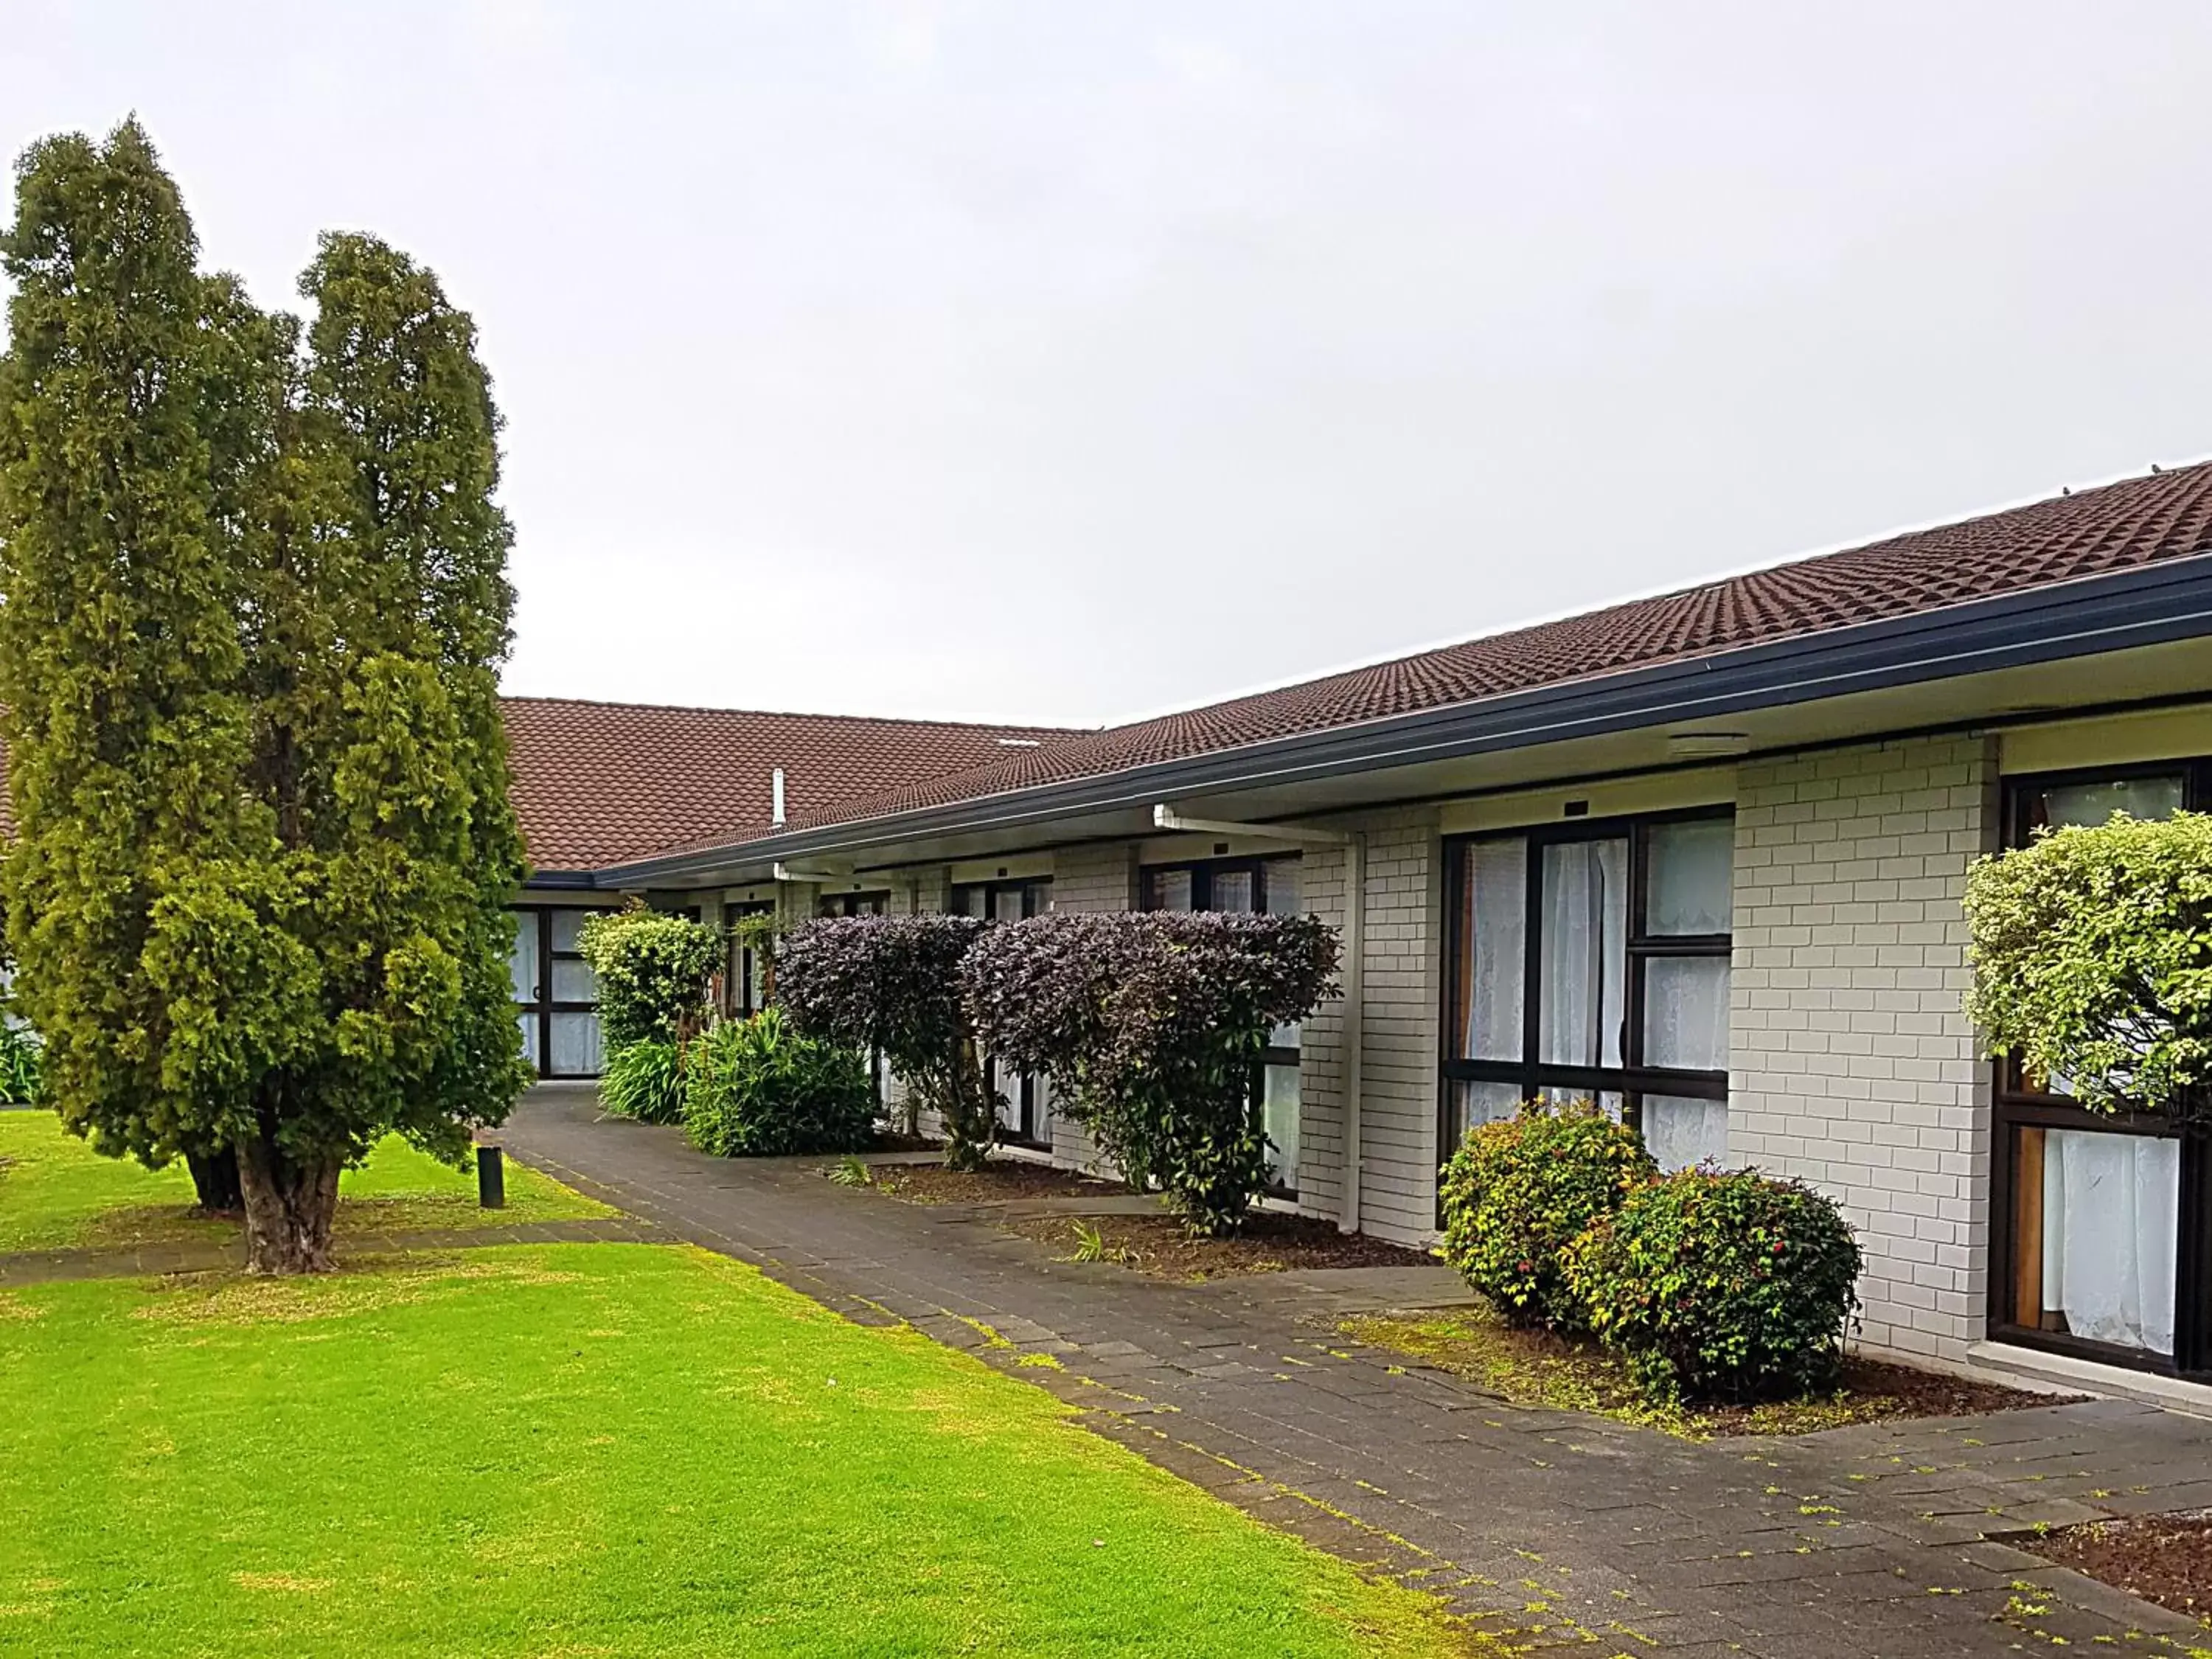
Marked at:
<point>1559,1533</point>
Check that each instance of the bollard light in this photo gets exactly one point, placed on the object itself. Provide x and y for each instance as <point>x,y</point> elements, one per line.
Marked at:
<point>491,1178</point>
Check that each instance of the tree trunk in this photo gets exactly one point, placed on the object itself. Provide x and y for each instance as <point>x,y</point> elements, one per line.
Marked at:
<point>214,1178</point>
<point>289,1209</point>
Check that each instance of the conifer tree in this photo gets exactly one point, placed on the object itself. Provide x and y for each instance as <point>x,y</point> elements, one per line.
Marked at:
<point>255,602</point>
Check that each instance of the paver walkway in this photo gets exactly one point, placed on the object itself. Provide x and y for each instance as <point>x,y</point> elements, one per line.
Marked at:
<point>1557,1533</point>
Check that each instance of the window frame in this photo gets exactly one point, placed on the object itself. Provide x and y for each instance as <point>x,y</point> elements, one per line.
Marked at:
<point>1030,1129</point>
<point>868,902</point>
<point>543,1007</point>
<point>737,958</point>
<point>2015,1106</point>
<point>1202,872</point>
<point>1632,1079</point>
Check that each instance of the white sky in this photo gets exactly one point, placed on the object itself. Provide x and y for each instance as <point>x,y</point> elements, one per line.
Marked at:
<point>1061,363</point>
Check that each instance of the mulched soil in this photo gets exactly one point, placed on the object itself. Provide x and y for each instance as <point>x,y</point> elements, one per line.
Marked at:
<point>2166,1558</point>
<point>1270,1243</point>
<point>1002,1181</point>
<point>1539,1368</point>
<point>890,1141</point>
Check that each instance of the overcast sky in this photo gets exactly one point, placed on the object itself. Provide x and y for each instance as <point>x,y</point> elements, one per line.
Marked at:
<point>1063,362</point>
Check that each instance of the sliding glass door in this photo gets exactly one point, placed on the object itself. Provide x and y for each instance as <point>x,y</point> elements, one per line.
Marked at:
<point>556,996</point>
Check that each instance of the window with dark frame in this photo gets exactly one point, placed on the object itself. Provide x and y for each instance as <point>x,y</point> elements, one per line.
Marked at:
<point>1589,960</point>
<point>1026,1116</point>
<point>2102,1222</point>
<point>744,990</point>
<point>1267,885</point>
<point>556,995</point>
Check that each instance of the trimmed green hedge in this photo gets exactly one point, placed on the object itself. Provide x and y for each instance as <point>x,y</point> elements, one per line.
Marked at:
<point>1517,1191</point>
<point>1726,1284</point>
<point>755,1088</point>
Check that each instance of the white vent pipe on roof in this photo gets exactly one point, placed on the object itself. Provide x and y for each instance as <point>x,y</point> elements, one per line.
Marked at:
<point>775,797</point>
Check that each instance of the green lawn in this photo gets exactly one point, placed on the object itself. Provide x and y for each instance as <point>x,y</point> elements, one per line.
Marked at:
<point>596,1449</point>
<point>56,1193</point>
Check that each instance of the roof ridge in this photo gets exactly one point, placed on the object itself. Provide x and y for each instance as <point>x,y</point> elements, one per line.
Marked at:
<point>802,715</point>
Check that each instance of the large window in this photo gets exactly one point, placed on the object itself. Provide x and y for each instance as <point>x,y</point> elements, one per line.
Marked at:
<point>1025,1113</point>
<point>556,996</point>
<point>1266,886</point>
<point>2104,1230</point>
<point>1591,961</point>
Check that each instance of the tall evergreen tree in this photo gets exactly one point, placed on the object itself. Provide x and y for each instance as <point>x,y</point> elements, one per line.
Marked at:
<point>255,602</point>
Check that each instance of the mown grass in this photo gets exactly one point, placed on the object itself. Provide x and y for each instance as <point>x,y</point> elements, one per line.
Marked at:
<point>56,1193</point>
<point>597,1449</point>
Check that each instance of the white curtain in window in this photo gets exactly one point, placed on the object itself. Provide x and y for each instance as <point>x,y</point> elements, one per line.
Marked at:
<point>2109,1240</point>
<point>1279,1117</point>
<point>522,960</point>
<point>575,1045</point>
<point>1487,1103</point>
<point>1689,877</point>
<point>1585,952</point>
<point>1682,1134</point>
<point>1686,1012</point>
<point>1497,871</point>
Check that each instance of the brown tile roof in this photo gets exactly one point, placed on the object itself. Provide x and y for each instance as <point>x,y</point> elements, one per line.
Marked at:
<point>598,782</point>
<point>2137,521</point>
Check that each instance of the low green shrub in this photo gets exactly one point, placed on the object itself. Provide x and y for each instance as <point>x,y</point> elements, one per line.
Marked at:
<point>644,1081</point>
<point>21,1064</point>
<point>1517,1194</point>
<point>755,1088</point>
<point>1723,1285</point>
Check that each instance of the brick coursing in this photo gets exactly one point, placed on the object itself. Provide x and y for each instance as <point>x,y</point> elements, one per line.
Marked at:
<point>1851,1062</point>
<point>1398,1063</point>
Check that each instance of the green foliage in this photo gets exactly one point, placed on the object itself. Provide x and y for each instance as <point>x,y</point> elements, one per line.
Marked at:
<point>1517,1194</point>
<point>1720,1284</point>
<point>644,1081</point>
<point>1154,1026</point>
<point>256,607</point>
<point>2091,949</point>
<point>850,1171</point>
<point>892,984</point>
<point>652,970</point>
<point>21,1064</point>
<point>756,1088</point>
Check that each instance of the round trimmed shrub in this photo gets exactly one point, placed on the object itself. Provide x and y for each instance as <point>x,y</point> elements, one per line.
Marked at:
<point>755,1088</point>
<point>644,1081</point>
<point>1720,1284</point>
<point>1517,1194</point>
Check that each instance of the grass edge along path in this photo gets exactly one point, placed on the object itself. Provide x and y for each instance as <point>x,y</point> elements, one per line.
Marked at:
<point>599,1449</point>
<point>57,1193</point>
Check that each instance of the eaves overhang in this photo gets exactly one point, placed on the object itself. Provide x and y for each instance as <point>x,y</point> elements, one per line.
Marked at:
<point>2089,616</point>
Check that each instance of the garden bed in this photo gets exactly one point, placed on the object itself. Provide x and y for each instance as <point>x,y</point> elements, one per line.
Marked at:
<point>2166,1558</point>
<point>1537,1368</point>
<point>1001,1181</point>
<point>1270,1243</point>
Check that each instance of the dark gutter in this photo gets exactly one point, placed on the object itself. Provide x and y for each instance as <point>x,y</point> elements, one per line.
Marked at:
<point>2090,616</point>
<point>563,880</point>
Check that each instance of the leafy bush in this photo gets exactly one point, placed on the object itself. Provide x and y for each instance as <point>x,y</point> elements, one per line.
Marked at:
<point>1725,1284</point>
<point>653,969</point>
<point>892,984</point>
<point>756,1088</point>
<point>1517,1193</point>
<point>644,1081</point>
<point>1154,1025</point>
<point>21,1064</point>
<point>2091,949</point>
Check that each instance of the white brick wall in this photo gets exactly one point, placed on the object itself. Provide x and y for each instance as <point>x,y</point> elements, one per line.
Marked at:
<point>1398,1060</point>
<point>1851,1061</point>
